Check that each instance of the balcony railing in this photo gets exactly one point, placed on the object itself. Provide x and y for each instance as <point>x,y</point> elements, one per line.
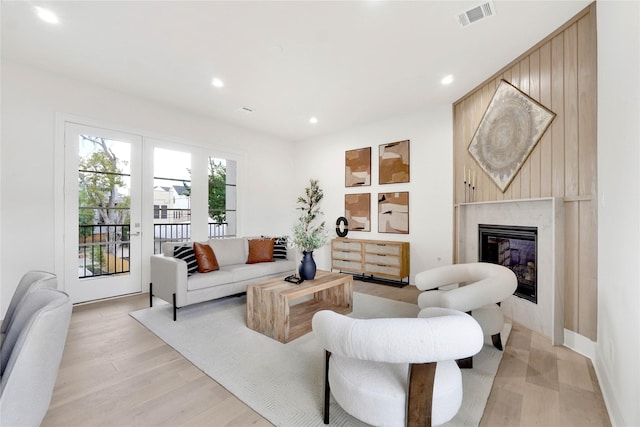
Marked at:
<point>181,232</point>
<point>103,250</point>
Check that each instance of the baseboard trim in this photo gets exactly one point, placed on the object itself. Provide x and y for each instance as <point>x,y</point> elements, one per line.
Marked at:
<point>580,344</point>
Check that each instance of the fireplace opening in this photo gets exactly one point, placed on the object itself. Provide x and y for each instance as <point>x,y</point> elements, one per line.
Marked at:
<point>514,247</point>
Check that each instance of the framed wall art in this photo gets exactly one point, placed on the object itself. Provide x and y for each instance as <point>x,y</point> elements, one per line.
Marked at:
<point>512,125</point>
<point>394,162</point>
<point>357,211</point>
<point>393,212</point>
<point>357,167</point>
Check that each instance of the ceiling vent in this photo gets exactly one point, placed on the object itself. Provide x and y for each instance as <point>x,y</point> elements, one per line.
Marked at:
<point>476,14</point>
<point>245,110</point>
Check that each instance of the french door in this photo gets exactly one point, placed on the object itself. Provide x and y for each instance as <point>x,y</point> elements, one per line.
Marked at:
<point>102,225</point>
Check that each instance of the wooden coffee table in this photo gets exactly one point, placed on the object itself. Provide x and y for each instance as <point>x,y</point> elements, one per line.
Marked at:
<point>283,311</point>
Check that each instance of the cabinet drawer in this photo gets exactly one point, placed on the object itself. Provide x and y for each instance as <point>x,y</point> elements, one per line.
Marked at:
<point>383,248</point>
<point>346,255</point>
<point>342,265</point>
<point>384,270</point>
<point>347,246</point>
<point>382,259</point>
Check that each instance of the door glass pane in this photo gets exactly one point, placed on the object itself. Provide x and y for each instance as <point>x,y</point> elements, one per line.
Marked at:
<point>222,198</point>
<point>103,206</point>
<point>171,197</point>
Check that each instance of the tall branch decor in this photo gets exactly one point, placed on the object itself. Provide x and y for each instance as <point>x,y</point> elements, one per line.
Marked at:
<point>308,233</point>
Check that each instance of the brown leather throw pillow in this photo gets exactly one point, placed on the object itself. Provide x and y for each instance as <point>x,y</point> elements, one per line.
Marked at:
<point>206,258</point>
<point>260,250</point>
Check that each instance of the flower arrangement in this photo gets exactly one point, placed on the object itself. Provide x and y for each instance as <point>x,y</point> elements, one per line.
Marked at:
<point>307,234</point>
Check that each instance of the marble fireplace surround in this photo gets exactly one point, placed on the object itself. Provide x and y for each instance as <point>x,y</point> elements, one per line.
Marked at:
<point>547,214</point>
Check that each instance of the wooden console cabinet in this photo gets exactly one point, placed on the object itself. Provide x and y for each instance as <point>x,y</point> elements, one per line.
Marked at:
<point>371,258</point>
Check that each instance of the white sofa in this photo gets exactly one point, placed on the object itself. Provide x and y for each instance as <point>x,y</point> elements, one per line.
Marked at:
<point>170,282</point>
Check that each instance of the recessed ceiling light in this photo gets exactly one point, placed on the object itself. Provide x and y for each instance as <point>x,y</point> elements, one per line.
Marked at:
<point>447,79</point>
<point>217,82</point>
<point>46,15</point>
<point>313,120</point>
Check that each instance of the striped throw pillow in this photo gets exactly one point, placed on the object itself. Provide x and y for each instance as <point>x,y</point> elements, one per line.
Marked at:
<point>187,254</point>
<point>280,248</point>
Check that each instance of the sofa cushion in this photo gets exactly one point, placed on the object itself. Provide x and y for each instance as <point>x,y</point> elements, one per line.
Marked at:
<point>229,251</point>
<point>209,280</point>
<point>243,272</point>
<point>187,254</point>
<point>260,250</point>
<point>206,258</point>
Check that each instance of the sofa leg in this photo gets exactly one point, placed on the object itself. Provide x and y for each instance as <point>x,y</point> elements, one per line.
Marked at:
<point>174,308</point>
<point>497,341</point>
<point>150,294</point>
<point>327,390</point>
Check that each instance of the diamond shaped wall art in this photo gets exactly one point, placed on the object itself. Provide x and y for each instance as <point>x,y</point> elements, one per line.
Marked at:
<point>511,127</point>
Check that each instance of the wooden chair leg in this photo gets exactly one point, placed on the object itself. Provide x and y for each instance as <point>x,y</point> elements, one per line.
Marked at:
<point>466,363</point>
<point>497,341</point>
<point>420,394</point>
<point>327,390</point>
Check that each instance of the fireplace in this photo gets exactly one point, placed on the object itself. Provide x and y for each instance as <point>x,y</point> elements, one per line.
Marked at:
<point>546,215</point>
<point>514,247</point>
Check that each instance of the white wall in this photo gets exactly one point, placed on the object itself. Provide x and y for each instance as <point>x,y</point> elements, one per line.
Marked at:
<point>618,343</point>
<point>430,187</point>
<point>30,100</point>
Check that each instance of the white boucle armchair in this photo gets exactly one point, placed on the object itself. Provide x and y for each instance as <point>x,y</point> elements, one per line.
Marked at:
<point>482,287</point>
<point>399,371</point>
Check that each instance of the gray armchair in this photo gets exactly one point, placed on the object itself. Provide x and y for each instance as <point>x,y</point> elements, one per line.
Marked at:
<point>30,356</point>
<point>31,281</point>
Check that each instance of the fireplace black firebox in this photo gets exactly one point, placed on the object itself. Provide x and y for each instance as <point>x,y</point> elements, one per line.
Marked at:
<point>514,247</point>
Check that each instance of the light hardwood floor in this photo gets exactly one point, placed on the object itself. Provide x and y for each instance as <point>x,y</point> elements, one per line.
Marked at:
<point>114,372</point>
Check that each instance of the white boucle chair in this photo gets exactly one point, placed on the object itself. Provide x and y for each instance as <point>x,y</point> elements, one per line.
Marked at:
<point>399,371</point>
<point>482,287</point>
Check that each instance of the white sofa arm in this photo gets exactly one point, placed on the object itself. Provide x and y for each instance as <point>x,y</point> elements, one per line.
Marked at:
<point>168,277</point>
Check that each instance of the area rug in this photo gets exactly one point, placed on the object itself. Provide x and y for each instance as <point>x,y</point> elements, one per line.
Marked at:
<point>284,382</point>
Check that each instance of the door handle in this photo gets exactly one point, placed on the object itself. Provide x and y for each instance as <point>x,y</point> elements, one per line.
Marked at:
<point>137,233</point>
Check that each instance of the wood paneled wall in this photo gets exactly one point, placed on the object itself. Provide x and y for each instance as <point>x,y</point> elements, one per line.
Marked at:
<point>560,73</point>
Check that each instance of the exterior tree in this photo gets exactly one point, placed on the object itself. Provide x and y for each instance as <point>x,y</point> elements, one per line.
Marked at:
<point>100,176</point>
<point>217,190</point>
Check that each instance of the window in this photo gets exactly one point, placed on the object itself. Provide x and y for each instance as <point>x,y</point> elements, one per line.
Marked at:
<point>103,206</point>
<point>222,197</point>
<point>171,197</point>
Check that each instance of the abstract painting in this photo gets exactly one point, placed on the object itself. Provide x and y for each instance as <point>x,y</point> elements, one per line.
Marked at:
<point>393,212</point>
<point>511,127</point>
<point>357,167</point>
<point>357,210</point>
<point>394,163</point>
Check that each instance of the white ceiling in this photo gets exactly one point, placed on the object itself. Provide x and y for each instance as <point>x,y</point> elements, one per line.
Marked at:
<point>345,62</point>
